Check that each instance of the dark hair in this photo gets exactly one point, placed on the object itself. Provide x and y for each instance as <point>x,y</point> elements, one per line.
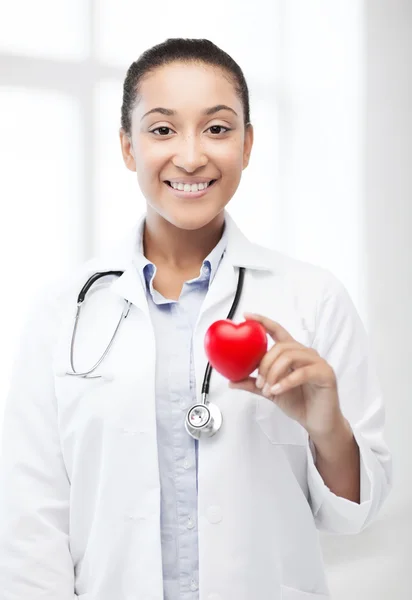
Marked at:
<point>179,49</point>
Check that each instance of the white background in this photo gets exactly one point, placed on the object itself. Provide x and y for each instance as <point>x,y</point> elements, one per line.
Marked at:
<point>329,180</point>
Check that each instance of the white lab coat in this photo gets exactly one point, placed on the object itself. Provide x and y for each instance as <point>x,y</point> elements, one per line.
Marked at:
<point>80,494</point>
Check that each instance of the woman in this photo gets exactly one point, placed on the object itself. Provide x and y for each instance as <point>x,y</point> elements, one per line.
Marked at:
<point>105,496</point>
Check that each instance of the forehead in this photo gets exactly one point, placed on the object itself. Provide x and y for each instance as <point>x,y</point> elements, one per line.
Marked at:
<point>187,86</point>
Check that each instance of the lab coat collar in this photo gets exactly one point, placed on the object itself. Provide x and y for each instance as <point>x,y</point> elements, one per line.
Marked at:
<point>240,252</point>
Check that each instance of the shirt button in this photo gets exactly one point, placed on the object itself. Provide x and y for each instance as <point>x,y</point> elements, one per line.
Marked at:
<point>186,463</point>
<point>193,585</point>
<point>213,597</point>
<point>214,514</point>
<point>190,523</point>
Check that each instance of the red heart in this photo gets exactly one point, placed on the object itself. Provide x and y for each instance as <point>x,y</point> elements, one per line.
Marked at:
<point>235,350</point>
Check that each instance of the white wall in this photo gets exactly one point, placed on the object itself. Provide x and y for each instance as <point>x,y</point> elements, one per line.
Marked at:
<point>321,128</point>
<point>376,564</point>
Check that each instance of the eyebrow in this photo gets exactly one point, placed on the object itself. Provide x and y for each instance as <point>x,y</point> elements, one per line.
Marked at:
<point>209,111</point>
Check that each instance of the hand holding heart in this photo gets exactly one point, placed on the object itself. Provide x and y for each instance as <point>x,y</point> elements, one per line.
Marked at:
<point>301,383</point>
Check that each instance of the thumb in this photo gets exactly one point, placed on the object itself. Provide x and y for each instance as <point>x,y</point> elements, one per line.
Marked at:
<point>273,328</point>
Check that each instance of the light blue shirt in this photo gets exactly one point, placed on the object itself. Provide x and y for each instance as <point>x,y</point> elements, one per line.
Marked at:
<point>173,322</point>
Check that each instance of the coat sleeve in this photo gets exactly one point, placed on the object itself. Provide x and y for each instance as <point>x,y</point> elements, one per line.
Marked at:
<point>35,560</point>
<point>341,339</point>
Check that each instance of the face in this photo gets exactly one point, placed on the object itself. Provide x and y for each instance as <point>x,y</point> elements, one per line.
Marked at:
<point>187,130</point>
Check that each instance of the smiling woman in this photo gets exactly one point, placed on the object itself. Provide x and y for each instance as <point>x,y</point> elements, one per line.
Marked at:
<point>117,501</point>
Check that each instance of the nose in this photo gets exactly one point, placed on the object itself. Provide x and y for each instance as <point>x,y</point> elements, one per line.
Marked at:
<point>190,155</point>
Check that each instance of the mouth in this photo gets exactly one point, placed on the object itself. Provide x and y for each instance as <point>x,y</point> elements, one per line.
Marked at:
<point>194,187</point>
<point>187,190</point>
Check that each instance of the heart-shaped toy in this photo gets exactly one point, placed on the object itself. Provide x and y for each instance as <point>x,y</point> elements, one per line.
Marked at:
<point>235,350</point>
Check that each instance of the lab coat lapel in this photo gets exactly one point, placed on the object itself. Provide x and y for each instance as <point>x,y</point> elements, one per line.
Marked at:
<point>130,287</point>
<point>240,252</point>
<point>123,257</point>
<point>221,290</point>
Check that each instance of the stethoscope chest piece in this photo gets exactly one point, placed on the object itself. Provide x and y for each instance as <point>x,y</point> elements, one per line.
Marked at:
<point>203,420</point>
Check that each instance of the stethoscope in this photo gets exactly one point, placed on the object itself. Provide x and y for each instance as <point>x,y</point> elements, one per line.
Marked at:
<point>203,419</point>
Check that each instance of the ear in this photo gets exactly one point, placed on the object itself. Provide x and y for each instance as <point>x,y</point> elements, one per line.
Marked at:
<point>247,146</point>
<point>127,150</point>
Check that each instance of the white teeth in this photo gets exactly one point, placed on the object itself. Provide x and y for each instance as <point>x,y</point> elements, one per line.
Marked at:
<point>187,187</point>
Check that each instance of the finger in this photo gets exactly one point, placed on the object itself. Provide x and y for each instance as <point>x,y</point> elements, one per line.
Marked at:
<point>273,355</point>
<point>248,385</point>
<point>287,362</point>
<point>306,374</point>
<point>274,329</point>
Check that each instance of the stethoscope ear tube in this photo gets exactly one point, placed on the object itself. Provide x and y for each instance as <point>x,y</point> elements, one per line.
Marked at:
<point>80,300</point>
<point>95,277</point>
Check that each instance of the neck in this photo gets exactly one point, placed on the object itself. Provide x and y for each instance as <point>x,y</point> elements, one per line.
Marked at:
<point>180,249</point>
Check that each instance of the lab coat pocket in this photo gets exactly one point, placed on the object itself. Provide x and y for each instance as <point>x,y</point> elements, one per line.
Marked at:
<point>294,594</point>
<point>71,389</point>
<point>276,425</point>
<point>72,386</point>
<point>83,398</point>
<point>108,401</point>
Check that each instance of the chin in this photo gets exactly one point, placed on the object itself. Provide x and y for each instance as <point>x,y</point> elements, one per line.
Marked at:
<point>192,218</point>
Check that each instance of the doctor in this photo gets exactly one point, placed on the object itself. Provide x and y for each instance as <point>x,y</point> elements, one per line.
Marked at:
<point>104,495</point>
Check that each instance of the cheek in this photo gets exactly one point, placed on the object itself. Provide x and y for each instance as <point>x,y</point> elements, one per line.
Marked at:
<point>150,159</point>
<point>230,166</point>
<point>229,157</point>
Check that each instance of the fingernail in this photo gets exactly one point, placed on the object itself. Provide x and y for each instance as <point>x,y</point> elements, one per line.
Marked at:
<point>275,388</point>
<point>266,390</point>
<point>260,382</point>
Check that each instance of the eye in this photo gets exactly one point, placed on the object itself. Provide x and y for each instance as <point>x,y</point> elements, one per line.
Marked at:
<point>215,129</point>
<point>163,131</point>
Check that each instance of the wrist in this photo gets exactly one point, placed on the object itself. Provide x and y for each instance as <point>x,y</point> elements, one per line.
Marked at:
<point>335,430</point>
<point>335,440</point>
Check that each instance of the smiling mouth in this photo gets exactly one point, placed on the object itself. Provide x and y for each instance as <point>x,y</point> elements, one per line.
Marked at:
<point>212,182</point>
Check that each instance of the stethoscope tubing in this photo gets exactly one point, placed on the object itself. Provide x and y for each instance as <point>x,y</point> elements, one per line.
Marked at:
<point>208,415</point>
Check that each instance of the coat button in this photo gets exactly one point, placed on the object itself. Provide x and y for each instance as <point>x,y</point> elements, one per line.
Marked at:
<point>214,514</point>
